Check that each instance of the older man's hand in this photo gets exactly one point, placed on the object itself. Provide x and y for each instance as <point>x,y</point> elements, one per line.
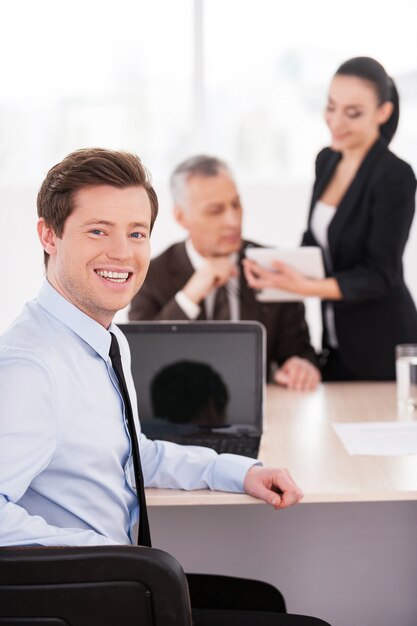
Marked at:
<point>298,374</point>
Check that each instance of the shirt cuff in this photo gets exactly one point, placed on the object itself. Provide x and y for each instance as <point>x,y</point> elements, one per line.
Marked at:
<point>190,308</point>
<point>230,471</point>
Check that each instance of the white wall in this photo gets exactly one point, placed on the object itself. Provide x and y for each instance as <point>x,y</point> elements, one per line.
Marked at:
<point>273,215</point>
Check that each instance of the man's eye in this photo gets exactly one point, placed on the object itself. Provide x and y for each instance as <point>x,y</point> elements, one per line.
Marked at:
<point>137,235</point>
<point>96,231</point>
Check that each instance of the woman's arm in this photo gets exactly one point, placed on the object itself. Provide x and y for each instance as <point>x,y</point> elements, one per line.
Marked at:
<point>379,269</point>
<point>284,277</point>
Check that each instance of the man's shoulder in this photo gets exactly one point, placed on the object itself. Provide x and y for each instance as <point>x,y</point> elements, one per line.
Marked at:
<point>34,337</point>
<point>24,348</point>
<point>173,251</point>
<point>30,331</point>
<point>172,258</point>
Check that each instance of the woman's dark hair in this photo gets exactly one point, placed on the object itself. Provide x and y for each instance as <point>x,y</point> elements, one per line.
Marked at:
<point>370,70</point>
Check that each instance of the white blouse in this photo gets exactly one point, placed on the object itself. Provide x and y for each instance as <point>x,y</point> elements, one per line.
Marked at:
<point>322,216</point>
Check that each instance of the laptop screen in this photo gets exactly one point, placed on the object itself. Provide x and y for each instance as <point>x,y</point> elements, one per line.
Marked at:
<point>194,376</point>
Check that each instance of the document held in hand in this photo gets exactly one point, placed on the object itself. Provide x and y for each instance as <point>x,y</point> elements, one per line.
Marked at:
<point>307,260</point>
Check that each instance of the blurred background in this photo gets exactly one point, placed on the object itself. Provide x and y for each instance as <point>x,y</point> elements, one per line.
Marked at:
<point>245,80</point>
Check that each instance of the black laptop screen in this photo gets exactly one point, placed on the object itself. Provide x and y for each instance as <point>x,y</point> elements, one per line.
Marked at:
<point>197,376</point>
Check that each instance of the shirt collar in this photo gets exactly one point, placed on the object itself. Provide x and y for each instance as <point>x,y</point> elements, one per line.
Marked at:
<point>81,324</point>
<point>197,260</point>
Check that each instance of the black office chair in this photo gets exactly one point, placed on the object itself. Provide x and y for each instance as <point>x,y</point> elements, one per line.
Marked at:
<point>92,586</point>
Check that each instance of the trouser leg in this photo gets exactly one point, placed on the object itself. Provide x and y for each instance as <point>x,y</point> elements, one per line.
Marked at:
<point>203,617</point>
<point>229,601</point>
<point>227,592</point>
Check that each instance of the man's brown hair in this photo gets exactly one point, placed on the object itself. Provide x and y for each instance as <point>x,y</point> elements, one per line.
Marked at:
<point>85,168</point>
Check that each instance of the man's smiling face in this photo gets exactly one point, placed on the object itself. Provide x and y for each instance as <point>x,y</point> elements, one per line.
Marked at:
<point>101,260</point>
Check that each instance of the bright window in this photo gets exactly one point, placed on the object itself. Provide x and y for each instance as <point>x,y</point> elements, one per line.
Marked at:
<point>93,73</point>
<point>241,78</point>
<point>268,67</point>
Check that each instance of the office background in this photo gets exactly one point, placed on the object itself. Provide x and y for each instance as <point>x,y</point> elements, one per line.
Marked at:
<point>240,79</point>
<point>245,80</point>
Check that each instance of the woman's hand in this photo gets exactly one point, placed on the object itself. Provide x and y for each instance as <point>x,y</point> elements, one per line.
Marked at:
<point>285,277</point>
<point>282,276</point>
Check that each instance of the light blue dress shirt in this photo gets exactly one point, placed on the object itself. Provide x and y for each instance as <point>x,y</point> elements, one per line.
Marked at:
<point>66,471</point>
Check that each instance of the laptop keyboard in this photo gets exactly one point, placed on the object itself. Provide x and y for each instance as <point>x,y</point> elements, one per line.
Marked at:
<point>245,446</point>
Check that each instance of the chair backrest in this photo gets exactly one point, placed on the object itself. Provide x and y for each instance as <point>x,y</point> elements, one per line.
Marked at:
<point>92,586</point>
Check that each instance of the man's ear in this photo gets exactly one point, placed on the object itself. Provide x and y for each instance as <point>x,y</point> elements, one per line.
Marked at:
<point>180,216</point>
<point>47,237</point>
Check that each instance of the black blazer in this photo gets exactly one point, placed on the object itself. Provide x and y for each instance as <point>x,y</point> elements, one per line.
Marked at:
<point>286,327</point>
<point>367,237</point>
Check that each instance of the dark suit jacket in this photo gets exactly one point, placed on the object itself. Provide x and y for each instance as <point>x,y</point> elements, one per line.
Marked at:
<point>367,237</point>
<point>287,331</point>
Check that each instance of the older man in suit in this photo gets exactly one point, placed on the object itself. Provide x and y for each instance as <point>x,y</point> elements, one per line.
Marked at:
<point>202,278</point>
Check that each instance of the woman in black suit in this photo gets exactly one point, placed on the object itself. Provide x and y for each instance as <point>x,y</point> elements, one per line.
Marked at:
<point>361,212</point>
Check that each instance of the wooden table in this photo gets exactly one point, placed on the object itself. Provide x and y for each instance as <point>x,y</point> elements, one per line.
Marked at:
<point>299,435</point>
<point>348,552</point>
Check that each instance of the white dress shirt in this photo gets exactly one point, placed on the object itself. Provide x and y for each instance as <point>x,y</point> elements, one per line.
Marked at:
<point>190,308</point>
<point>66,471</point>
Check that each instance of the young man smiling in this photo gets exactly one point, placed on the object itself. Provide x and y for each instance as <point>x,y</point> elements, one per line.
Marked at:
<point>101,259</point>
<point>66,471</point>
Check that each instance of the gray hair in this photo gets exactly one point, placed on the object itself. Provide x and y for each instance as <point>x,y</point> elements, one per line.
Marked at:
<point>200,165</point>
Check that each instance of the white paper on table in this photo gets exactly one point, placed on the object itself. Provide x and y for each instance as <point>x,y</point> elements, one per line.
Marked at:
<point>378,438</point>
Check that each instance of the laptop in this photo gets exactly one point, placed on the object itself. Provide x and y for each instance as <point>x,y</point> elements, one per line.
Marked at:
<point>200,383</point>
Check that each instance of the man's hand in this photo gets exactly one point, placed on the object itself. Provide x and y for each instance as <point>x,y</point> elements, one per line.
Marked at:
<point>215,272</point>
<point>274,486</point>
<point>298,374</point>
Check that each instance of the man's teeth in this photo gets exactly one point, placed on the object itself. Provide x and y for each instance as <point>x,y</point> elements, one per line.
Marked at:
<point>115,277</point>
